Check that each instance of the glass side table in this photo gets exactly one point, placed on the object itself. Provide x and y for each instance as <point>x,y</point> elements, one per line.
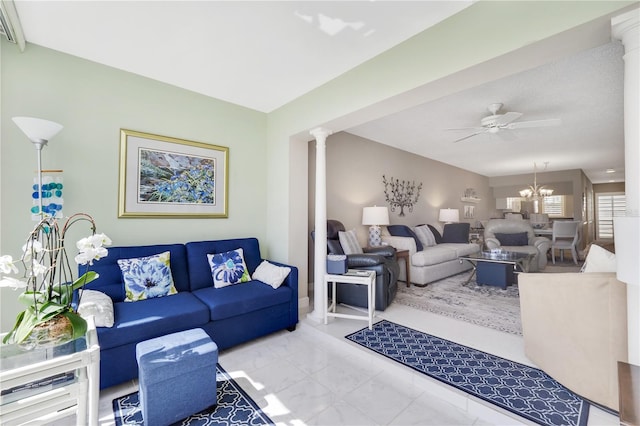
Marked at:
<point>47,384</point>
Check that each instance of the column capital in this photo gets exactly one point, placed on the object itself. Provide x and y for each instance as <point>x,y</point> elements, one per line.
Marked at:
<point>320,132</point>
<point>626,28</point>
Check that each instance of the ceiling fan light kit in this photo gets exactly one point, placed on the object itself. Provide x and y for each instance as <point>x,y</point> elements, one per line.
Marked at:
<point>496,122</point>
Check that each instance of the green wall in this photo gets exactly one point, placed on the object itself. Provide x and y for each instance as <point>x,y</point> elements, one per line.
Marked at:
<point>93,102</point>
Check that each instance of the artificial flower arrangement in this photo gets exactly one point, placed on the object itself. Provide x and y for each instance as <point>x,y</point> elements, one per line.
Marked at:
<point>47,276</point>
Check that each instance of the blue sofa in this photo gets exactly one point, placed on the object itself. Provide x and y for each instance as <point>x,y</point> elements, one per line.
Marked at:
<point>230,315</point>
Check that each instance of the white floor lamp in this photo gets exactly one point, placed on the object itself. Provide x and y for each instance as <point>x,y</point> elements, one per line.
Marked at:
<point>39,132</point>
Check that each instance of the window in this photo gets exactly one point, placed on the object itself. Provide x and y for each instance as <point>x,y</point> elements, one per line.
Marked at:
<point>608,206</point>
<point>554,205</point>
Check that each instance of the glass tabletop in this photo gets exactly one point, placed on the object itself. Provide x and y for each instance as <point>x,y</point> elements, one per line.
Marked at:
<point>15,356</point>
<point>509,256</point>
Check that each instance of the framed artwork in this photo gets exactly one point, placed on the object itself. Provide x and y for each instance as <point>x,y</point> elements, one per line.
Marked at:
<point>469,212</point>
<point>162,176</point>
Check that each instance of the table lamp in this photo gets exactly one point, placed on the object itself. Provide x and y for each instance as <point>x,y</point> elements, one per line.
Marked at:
<point>449,215</point>
<point>375,216</point>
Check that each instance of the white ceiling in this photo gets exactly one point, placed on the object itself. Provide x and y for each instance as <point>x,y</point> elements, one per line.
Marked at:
<point>264,54</point>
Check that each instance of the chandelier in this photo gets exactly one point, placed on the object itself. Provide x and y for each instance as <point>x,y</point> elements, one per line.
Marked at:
<point>536,192</point>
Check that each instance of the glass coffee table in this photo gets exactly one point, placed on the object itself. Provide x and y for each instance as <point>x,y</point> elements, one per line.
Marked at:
<point>497,268</point>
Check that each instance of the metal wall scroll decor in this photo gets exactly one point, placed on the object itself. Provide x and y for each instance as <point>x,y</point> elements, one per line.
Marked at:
<point>401,194</point>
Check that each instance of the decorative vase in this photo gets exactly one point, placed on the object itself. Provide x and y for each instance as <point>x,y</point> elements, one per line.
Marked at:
<point>50,333</point>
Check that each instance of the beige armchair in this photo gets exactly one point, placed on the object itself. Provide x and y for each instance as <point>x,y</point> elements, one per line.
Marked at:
<point>575,329</point>
<point>532,244</point>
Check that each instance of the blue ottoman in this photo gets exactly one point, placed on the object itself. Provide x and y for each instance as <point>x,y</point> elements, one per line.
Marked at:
<point>177,376</point>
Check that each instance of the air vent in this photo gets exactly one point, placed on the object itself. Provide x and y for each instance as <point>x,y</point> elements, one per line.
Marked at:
<point>10,24</point>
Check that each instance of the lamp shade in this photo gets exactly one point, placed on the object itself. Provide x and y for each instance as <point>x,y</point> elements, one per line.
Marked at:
<point>37,129</point>
<point>449,215</point>
<point>375,216</point>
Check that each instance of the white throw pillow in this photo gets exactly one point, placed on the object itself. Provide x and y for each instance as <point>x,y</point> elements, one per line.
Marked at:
<point>425,235</point>
<point>349,242</point>
<point>599,260</point>
<point>271,274</point>
<point>99,305</point>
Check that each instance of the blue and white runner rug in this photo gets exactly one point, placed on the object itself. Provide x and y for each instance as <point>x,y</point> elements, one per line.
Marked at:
<point>234,407</point>
<point>523,390</point>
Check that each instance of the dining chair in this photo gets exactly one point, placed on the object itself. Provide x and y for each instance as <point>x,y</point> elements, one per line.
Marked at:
<point>565,237</point>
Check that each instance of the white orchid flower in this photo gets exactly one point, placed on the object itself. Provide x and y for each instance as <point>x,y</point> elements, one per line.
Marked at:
<point>91,249</point>
<point>37,268</point>
<point>12,283</point>
<point>32,246</point>
<point>7,265</point>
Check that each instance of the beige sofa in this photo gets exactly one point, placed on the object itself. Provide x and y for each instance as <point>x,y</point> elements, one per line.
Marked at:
<point>431,263</point>
<point>575,329</point>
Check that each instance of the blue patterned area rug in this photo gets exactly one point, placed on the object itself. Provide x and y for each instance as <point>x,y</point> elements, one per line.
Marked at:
<point>523,390</point>
<point>234,407</point>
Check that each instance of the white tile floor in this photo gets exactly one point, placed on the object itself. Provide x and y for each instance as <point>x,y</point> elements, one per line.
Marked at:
<point>314,376</point>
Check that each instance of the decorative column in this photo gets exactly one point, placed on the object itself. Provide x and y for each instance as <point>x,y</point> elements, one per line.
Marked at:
<point>626,28</point>
<point>320,239</point>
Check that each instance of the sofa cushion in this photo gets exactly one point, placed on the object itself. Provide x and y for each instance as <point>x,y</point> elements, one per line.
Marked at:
<point>456,233</point>
<point>135,322</point>
<point>110,281</point>
<point>240,299</point>
<point>199,269</point>
<point>228,268</point>
<point>433,255</point>
<point>599,260</point>
<point>271,274</point>
<point>404,231</point>
<point>98,305</point>
<point>461,249</point>
<point>513,239</point>
<point>436,234</point>
<point>425,235</point>
<point>147,277</point>
<point>349,242</point>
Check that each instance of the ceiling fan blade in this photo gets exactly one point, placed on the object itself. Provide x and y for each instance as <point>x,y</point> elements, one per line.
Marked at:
<point>535,123</point>
<point>467,128</point>
<point>469,136</point>
<point>507,118</point>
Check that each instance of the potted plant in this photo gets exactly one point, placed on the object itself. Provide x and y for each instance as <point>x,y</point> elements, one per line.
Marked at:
<point>47,279</point>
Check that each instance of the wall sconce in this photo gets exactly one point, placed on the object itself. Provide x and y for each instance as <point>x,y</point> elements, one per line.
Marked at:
<point>401,194</point>
<point>375,216</point>
<point>449,215</point>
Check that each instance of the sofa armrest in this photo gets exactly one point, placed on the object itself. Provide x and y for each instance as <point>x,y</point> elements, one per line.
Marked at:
<point>386,251</point>
<point>492,243</point>
<point>364,259</point>
<point>401,243</point>
<point>541,243</point>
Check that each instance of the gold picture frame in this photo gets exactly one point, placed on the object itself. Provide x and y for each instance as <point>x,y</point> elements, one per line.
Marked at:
<point>165,177</point>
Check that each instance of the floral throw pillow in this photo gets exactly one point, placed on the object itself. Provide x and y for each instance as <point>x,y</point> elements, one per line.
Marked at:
<point>147,277</point>
<point>228,268</point>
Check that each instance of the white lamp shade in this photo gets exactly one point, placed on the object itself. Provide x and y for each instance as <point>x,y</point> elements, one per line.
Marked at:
<point>375,216</point>
<point>449,215</point>
<point>37,129</point>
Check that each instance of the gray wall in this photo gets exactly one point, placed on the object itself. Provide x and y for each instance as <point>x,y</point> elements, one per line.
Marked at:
<point>354,180</point>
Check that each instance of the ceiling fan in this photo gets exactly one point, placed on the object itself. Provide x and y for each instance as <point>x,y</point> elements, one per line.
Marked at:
<point>495,122</point>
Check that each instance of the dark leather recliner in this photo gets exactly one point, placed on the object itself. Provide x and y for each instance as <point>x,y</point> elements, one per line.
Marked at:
<point>380,259</point>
